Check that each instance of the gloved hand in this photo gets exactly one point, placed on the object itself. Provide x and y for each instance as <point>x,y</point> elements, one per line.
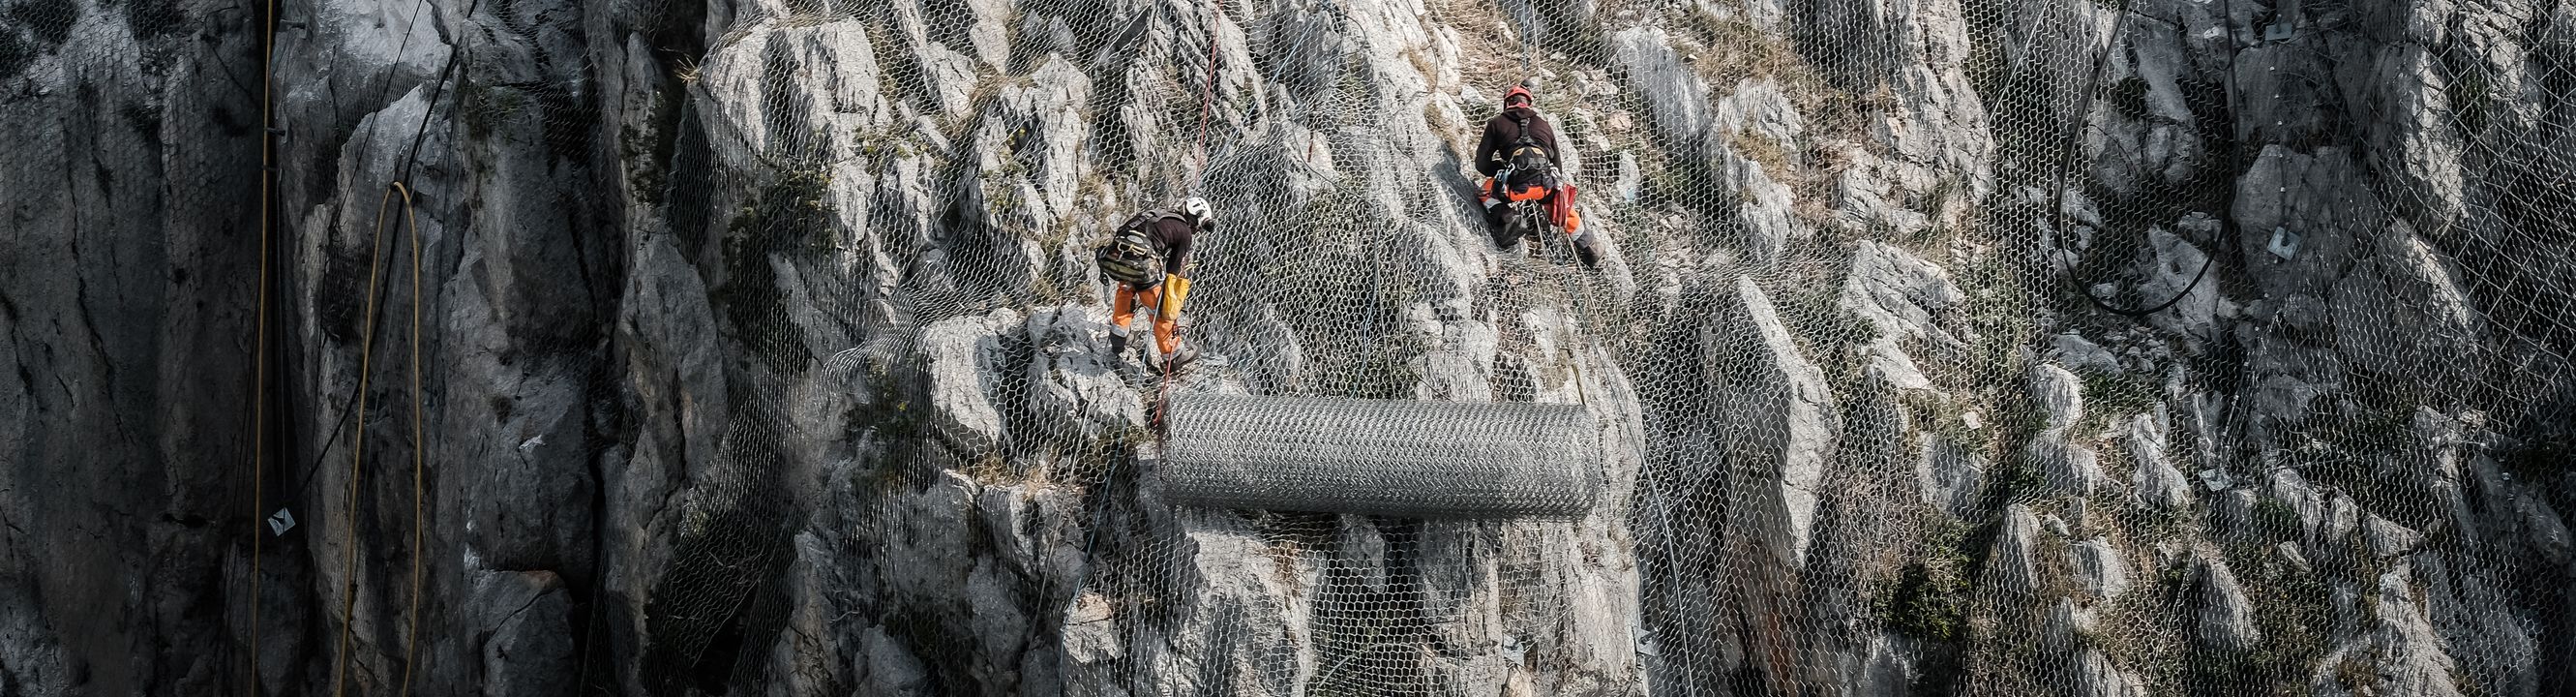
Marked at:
<point>1176,290</point>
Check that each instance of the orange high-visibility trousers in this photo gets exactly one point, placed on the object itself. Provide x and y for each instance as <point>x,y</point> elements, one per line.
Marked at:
<point>1122,313</point>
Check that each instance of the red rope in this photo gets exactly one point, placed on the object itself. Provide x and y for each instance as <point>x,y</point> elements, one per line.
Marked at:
<point>1163,392</point>
<point>1163,403</point>
<point>1214,18</point>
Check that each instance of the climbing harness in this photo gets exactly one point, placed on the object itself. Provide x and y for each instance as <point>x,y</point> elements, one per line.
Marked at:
<point>1131,260</point>
<point>1134,256</point>
<point>1528,158</point>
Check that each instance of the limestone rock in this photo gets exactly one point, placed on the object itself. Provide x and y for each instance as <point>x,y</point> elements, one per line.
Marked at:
<point>1043,119</point>
<point>1950,477</point>
<point>2097,676</point>
<point>2156,479</point>
<point>1871,192</point>
<point>1090,633</point>
<point>1677,99</point>
<point>2412,137</point>
<point>966,358</point>
<point>2178,271</point>
<point>2074,351</point>
<point>623,349</point>
<point>2343,517</point>
<point>1903,294</point>
<point>2308,194</point>
<point>1073,376</point>
<point>838,87</point>
<point>2226,618</point>
<point>1782,417</point>
<point>2069,469</point>
<point>1938,126</point>
<point>1758,108</point>
<point>2400,654</point>
<point>1032,529</point>
<point>887,668</point>
<point>1243,587</point>
<point>530,646</point>
<point>2388,539</point>
<point>2286,379</point>
<point>2100,568</point>
<point>1890,669</point>
<point>2405,310</point>
<point>2546,531</point>
<point>2059,393</point>
<point>1763,206</point>
<point>2014,566</point>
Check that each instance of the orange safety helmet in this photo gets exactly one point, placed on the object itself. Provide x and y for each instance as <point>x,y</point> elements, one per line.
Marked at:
<point>1517,91</point>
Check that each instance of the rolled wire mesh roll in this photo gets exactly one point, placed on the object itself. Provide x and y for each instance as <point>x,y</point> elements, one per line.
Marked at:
<point>1382,457</point>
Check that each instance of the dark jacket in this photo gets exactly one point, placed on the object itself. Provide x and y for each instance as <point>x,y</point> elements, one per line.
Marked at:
<point>1503,131</point>
<point>1172,236</point>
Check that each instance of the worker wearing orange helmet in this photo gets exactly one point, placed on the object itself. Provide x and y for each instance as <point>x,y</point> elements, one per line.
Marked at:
<point>1519,153</point>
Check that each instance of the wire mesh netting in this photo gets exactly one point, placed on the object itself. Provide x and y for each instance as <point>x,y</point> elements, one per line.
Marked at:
<point>1387,457</point>
<point>1917,361</point>
<point>1994,347</point>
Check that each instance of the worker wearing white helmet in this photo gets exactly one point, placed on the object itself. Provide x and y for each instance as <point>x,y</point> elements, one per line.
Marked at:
<point>1148,257</point>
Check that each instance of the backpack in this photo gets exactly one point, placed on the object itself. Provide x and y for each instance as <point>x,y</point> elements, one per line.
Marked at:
<point>1528,160</point>
<point>1133,255</point>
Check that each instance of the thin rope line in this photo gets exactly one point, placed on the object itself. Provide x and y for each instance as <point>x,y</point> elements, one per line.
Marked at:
<point>420,443</point>
<point>2066,153</point>
<point>404,174</point>
<point>1215,18</point>
<point>259,354</point>
<point>357,456</point>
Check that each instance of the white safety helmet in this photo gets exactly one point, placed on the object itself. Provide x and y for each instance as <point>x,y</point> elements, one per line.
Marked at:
<point>1198,211</point>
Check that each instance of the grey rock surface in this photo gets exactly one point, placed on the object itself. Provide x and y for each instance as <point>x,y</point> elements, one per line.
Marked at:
<point>2154,478</point>
<point>801,294</point>
<point>1950,476</point>
<point>2074,351</point>
<point>2226,614</point>
<point>2016,565</point>
<point>1783,417</point>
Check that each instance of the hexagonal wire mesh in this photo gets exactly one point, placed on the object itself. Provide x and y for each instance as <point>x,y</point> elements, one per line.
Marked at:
<point>1979,346</point>
<point>1842,236</point>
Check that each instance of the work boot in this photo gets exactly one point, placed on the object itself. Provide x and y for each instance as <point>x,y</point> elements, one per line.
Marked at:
<point>1118,345</point>
<point>1180,358</point>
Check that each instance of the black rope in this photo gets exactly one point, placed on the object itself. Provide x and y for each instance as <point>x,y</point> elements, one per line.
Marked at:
<point>411,156</point>
<point>2057,207</point>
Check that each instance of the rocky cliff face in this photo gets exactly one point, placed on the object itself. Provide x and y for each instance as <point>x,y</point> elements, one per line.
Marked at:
<point>758,348</point>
